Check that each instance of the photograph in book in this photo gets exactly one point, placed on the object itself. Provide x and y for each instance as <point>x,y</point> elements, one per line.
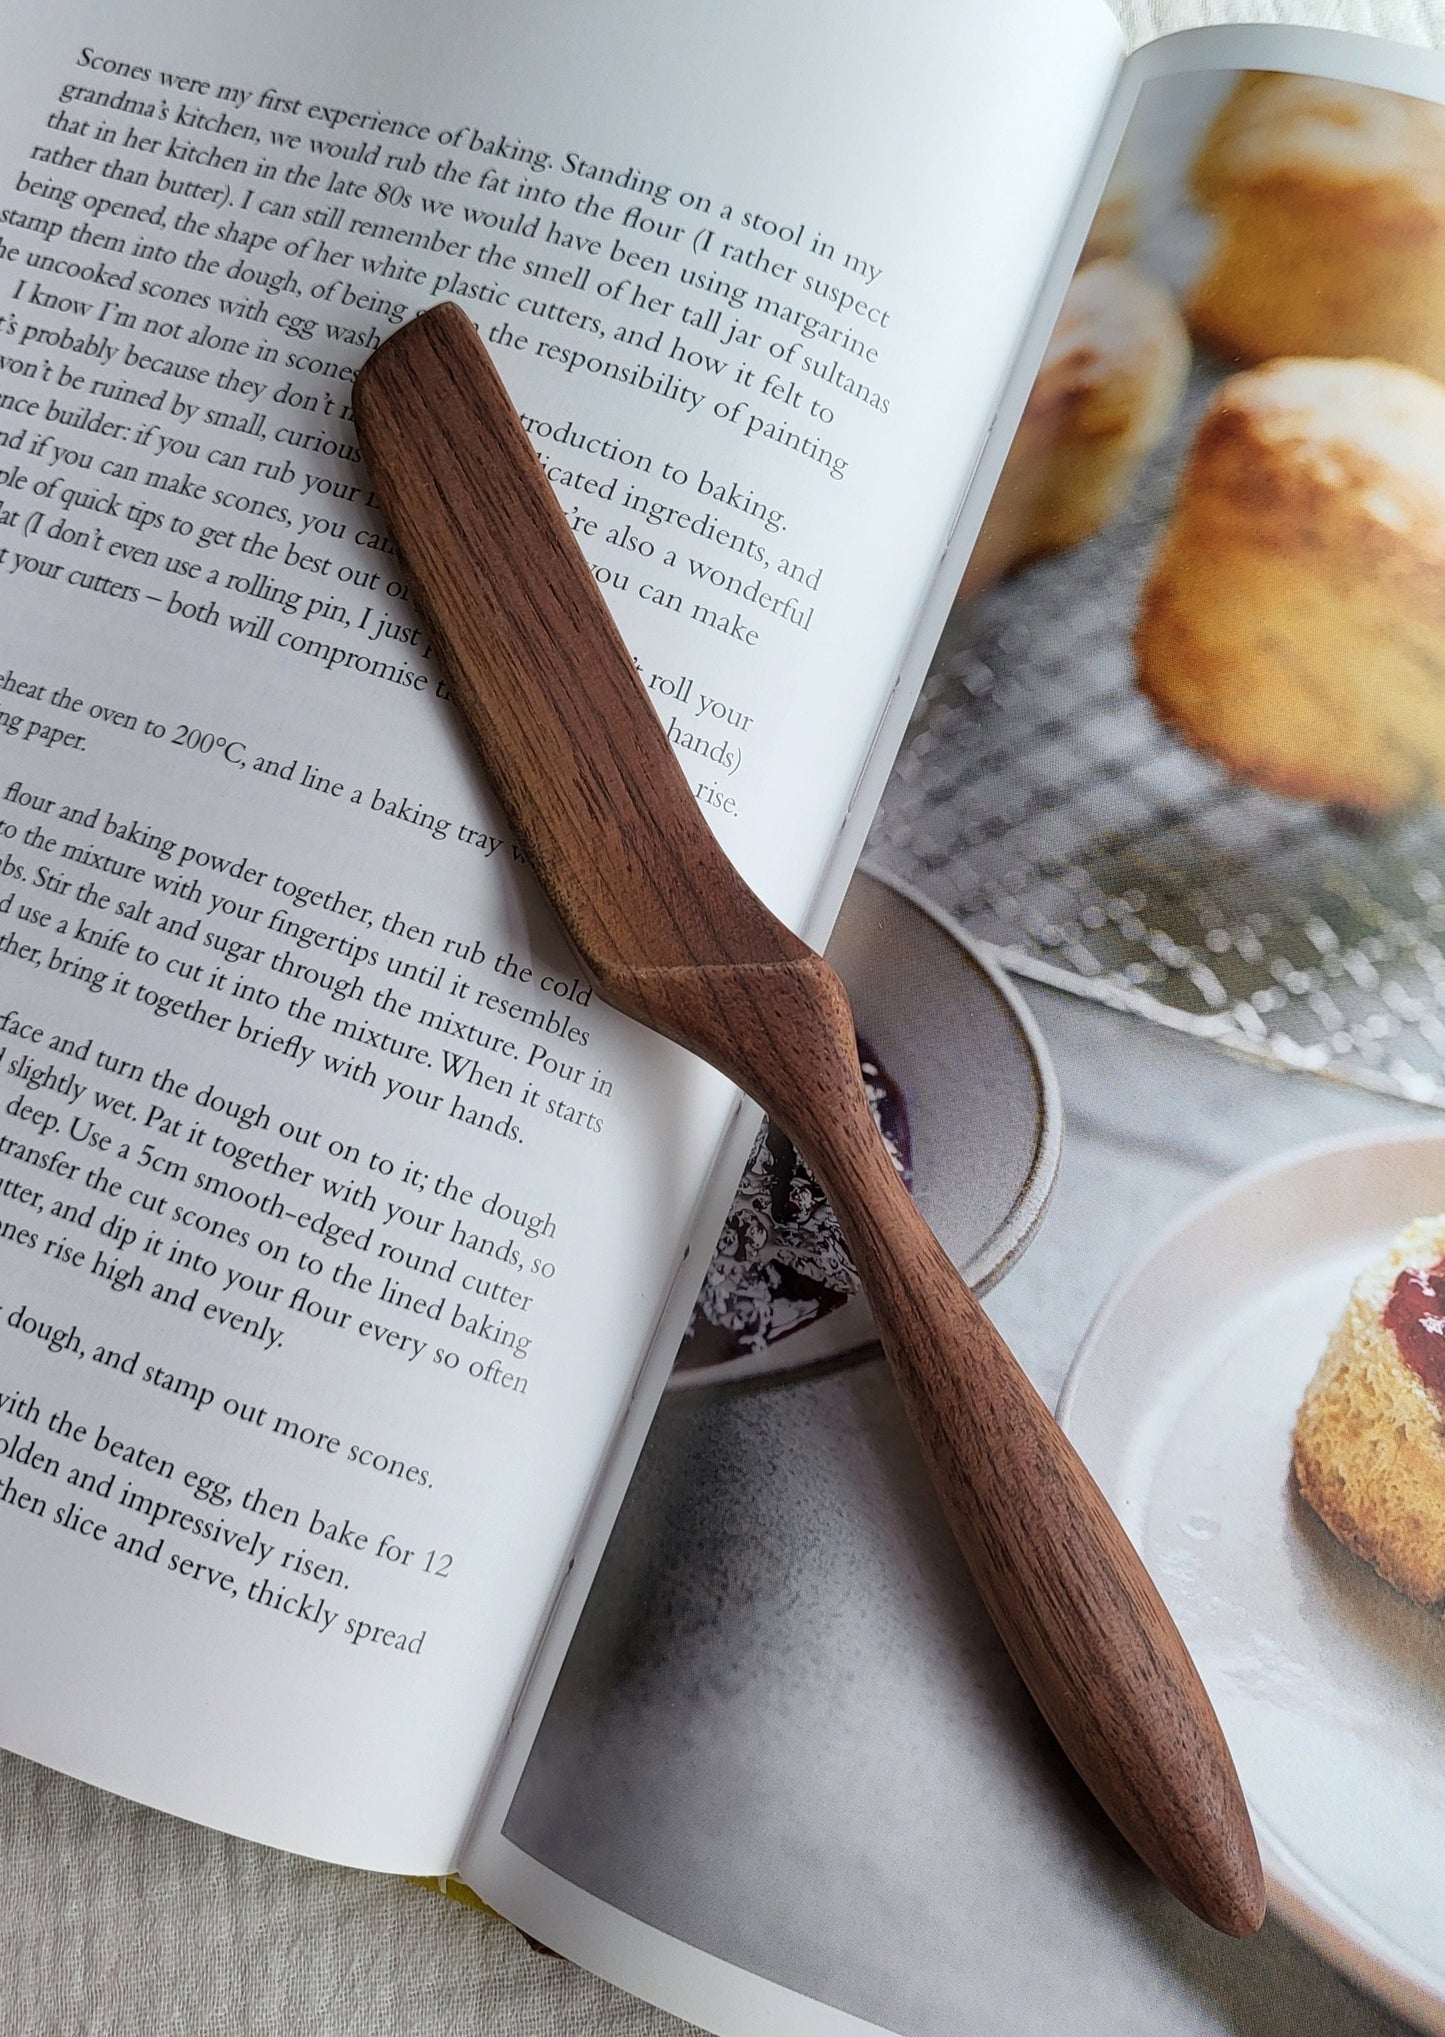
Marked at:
<point>1181,755</point>
<point>1185,747</point>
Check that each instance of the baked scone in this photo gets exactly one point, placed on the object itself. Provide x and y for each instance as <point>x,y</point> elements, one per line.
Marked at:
<point>1293,623</point>
<point>1329,201</point>
<point>1109,384</point>
<point>1369,1441</point>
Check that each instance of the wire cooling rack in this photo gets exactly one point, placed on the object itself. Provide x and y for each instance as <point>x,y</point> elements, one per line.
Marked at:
<point>1039,800</point>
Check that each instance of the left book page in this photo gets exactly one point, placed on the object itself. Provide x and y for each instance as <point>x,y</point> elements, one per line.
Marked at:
<point>335,1215</point>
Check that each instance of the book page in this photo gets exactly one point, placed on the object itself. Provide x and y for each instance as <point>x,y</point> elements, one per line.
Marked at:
<point>338,1214</point>
<point>1180,769</point>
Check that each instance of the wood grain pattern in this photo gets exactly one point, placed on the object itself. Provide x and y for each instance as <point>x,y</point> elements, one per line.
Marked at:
<point>672,934</point>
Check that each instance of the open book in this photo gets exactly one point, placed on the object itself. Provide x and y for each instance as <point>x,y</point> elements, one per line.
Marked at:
<point>346,1238</point>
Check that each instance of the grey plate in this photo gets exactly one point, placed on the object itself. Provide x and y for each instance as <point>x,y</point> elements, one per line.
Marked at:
<point>982,1102</point>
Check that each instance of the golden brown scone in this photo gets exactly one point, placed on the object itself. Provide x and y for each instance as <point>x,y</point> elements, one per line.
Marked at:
<point>1293,623</point>
<point>1330,205</point>
<point>1109,384</point>
<point>1369,1441</point>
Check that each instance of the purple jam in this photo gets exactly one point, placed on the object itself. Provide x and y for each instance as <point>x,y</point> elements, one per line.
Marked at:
<point>1415,1317</point>
<point>890,1113</point>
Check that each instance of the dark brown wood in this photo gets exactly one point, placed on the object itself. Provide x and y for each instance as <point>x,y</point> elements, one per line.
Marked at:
<point>673,935</point>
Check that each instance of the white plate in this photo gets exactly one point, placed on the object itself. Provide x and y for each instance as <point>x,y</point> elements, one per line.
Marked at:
<point>1330,1686</point>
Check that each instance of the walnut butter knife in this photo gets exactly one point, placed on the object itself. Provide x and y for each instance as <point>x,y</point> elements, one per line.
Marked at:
<point>672,935</point>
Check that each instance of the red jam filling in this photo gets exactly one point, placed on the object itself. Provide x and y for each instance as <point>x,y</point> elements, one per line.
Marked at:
<point>1415,1317</point>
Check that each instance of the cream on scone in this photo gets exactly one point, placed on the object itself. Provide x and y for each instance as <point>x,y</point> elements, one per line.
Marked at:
<point>1108,386</point>
<point>1369,1440</point>
<point>1329,200</point>
<point>1293,623</point>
